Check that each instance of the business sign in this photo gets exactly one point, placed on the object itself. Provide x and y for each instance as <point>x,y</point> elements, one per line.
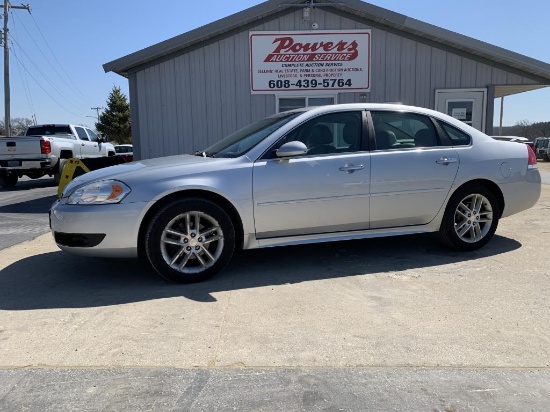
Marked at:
<point>312,61</point>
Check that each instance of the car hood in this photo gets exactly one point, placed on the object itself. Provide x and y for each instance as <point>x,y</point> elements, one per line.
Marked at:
<point>153,169</point>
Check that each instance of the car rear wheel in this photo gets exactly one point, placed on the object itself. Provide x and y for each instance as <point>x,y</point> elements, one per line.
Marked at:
<point>190,240</point>
<point>471,218</point>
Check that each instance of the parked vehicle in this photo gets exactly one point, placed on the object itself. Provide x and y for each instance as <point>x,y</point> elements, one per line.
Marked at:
<point>44,150</point>
<point>310,175</point>
<point>542,147</point>
<point>126,151</point>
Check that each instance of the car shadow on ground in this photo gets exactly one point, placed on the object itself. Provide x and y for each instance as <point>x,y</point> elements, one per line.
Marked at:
<point>61,280</point>
<point>30,184</point>
<point>40,205</point>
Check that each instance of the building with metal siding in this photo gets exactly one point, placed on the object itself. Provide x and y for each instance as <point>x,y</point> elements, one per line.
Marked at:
<point>192,90</point>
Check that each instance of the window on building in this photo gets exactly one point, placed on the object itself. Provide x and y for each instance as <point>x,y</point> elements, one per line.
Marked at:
<point>291,103</point>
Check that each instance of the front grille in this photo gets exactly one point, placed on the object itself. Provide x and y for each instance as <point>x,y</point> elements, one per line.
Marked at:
<point>78,239</point>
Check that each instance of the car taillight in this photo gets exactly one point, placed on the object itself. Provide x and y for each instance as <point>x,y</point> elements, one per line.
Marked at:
<point>45,147</point>
<point>532,160</point>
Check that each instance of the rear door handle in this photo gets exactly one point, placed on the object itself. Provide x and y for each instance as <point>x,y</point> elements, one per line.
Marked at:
<point>446,160</point>
<point>350,168</point>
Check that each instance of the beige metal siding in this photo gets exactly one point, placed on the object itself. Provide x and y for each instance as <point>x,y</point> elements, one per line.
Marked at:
<point>193,100</point>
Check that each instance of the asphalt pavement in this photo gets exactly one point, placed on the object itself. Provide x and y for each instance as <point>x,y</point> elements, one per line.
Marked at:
<point>24,210</point>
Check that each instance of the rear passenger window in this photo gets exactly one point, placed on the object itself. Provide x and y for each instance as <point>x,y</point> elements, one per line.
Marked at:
<point>398,130</point>
<point>456,136</point>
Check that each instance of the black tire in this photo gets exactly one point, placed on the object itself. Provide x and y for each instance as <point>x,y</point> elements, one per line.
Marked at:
<point>8,179</point>
<point>470,219</point>
<point>57,175</point>
<point>547,158</point>
<point>185,255</point>
<point>37,175</point>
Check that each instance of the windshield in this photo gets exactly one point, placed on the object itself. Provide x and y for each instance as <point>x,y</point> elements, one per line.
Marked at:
<point>243,140</point>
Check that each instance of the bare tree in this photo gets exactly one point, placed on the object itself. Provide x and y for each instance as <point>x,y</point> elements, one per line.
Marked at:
<point>18,126</point>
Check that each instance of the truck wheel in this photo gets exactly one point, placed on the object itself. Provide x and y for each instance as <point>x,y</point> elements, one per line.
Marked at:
<point>190,240</point>
<point>8,179</point>
<point>57,175</point>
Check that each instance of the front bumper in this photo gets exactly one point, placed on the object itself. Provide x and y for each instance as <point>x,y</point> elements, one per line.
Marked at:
<point>97,230</point>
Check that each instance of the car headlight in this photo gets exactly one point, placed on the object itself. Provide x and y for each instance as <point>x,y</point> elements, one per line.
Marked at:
<point>99,193</point>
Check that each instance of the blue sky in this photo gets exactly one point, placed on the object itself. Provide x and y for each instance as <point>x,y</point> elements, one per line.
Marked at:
<point>57,52</point>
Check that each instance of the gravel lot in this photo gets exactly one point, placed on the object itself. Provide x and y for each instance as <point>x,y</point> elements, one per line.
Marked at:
<point>477,322</point>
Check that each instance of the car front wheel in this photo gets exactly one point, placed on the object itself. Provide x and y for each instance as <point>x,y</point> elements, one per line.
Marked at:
<point>471,218</point>
<point>190,240</point>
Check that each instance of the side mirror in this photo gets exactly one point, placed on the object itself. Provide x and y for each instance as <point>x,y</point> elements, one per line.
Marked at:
<point>291,149</point>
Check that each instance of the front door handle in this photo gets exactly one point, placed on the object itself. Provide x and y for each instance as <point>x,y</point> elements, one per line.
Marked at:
<point>350,168</point>
<point>446,160</point>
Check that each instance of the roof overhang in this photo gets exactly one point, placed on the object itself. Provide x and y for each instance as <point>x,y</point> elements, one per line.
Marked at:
<point>502,91</point>
<point>357,9</point>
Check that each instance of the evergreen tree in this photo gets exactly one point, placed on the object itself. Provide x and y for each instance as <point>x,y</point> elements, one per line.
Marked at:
<point>114,122</point>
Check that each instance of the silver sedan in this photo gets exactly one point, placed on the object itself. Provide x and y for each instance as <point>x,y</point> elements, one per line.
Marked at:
<point>313,175</point>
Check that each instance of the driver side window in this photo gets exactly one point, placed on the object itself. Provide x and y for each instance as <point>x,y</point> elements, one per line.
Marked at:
<point>329,134</point>
<point>81,133</point>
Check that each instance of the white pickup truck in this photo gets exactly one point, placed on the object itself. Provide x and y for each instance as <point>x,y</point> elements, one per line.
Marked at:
<point>44,150</point>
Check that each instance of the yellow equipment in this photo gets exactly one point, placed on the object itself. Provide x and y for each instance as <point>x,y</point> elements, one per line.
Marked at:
<point>76,167</point>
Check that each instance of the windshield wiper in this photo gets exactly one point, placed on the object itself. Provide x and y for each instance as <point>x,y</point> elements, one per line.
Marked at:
<point>203,154</point>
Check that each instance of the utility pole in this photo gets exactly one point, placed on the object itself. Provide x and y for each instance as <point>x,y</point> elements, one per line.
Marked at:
<point>7,114</point>
<point>97,109</point>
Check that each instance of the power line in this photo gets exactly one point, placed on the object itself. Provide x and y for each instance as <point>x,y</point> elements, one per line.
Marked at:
<point>97,109</point>
<point>26,87</point>
<point>63,95</point>
<point>76,92</point>
<point>44,90</point>
<point>54,56</point>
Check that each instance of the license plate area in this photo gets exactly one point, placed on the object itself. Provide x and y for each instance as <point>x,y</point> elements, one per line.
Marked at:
<point>14,163</point>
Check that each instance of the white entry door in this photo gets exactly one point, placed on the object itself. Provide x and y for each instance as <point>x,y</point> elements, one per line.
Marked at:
<point>467,105</point>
